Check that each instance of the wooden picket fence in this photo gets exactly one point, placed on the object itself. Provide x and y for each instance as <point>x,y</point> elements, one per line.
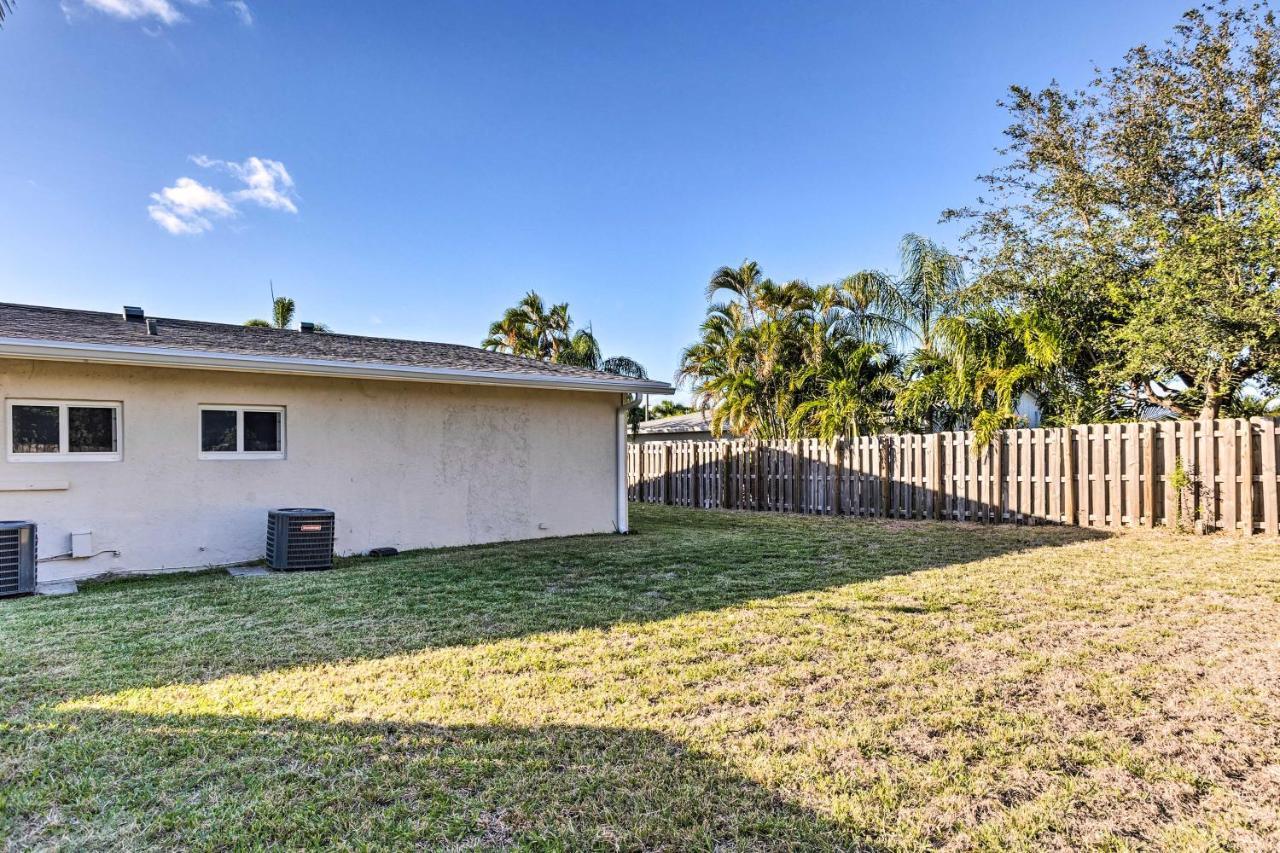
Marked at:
<point>1096,475</point>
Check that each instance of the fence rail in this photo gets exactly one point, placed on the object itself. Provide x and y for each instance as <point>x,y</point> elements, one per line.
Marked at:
<point>1096,475</point>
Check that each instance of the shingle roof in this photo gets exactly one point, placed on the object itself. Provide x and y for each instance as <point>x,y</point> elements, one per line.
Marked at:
<point>691,422</point>
<point>97,328</point>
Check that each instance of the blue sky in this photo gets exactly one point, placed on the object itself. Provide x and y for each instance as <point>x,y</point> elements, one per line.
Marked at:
<point>411,168</point>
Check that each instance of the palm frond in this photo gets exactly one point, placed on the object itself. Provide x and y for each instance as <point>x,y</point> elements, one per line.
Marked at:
<point>621,365</point>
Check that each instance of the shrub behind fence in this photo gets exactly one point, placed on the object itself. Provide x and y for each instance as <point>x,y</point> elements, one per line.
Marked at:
<point>1097,475</point>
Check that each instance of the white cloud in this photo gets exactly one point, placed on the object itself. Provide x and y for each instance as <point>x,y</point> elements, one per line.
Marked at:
<point>241,10</point>
<point>164,11</point>
<point>185,207</point>
<point>161,12</point>
<point>267,182</point>
<point>189,207</point>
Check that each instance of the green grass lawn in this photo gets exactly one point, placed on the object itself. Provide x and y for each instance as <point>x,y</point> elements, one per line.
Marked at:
<point>715,681</point>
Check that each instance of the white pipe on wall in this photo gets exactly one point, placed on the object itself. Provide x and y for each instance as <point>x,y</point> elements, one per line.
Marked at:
<point>621,518</point>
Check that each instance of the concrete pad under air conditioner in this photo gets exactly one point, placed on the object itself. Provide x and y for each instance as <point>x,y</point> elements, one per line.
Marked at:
<point>56,588</point>
<point>248,572</point>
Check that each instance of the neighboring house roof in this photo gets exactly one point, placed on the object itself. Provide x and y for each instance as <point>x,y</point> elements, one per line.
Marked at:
<point>28,331</point>
<point>692,422</point>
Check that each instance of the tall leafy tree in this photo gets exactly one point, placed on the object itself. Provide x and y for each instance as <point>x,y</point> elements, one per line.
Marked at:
<point>1142,212</point>
<point>533,330</point>
<point>851,392</point>
<point>983,361</point>
<point>668,409</point>
<point>929,284</point>
<point>769,353</point>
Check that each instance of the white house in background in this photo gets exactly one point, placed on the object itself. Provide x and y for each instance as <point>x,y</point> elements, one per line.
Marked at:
<point>1028,409</point>
<point>167,441</point>
<point>694,426</point>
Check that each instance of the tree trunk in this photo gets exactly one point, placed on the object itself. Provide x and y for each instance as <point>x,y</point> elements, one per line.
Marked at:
<point>1212,405</point>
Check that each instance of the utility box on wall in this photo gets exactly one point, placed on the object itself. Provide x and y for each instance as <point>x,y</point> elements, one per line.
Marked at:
<point>82,544</point>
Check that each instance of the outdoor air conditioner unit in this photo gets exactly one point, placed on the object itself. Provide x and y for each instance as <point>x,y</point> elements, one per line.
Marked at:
<point>17,558</point>
<point>299,538</point>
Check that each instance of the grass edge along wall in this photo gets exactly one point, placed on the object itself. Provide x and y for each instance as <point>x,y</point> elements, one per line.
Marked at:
<point>1206,475</point>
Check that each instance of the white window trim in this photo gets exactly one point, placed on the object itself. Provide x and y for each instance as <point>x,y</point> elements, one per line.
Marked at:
<point>64,428</point>
<point>239,452</point>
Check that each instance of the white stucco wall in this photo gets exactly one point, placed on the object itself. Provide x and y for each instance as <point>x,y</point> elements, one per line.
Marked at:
<point>409,465</point>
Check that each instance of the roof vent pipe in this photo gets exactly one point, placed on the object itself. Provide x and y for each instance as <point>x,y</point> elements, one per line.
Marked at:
<point>134,314</point>
<point>307,328</point>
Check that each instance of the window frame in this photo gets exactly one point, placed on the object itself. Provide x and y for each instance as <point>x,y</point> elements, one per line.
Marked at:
<point>65,453</point>
<point>239,454</point>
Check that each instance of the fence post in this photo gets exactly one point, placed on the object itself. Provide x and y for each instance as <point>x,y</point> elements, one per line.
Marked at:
<point>935,473</point>
<point>1169,436</point>
<point>1069,492</point>
<point>724,475</point>
<point>1149,471</point>
<point>666,474</point>
<point>1246,479</point>
<point>758,463</point>
<point>1270,502</point>
<point>886,488</point>
<point>695,472</point>
<point>1209,473</point>
<point>837,484</point>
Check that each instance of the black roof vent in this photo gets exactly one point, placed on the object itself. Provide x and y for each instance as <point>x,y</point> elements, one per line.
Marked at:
<point>307,328</point>
<point>151,327</point>
<point>134,314</point>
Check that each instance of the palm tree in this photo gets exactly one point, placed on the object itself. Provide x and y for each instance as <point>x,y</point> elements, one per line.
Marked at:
<point>6,7</point>
<point>283,310</point>
<point>931,278</point>
<point>875,306</point>
<point>769,354</point>
<point>855,389</point>
<point>580,349</point>
<point>511,334</point>
<point>531,330</point>
<point>743,282</point>
<point>985,360</point>
<point>621,365</point>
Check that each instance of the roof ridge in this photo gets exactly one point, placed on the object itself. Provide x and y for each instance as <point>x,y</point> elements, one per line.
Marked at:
<point>243,328</point>
<point>84,327</point>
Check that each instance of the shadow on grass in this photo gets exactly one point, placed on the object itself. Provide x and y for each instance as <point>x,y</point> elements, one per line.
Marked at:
<point>178,781</point>
<point>188,628</point>
<point>107,777</point>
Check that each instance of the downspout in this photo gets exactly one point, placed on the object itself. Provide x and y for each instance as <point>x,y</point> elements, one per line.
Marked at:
<point>620,521</point>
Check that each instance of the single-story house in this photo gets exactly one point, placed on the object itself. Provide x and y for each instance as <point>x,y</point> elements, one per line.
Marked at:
<point>694,426</point>
<point>167,441</point>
